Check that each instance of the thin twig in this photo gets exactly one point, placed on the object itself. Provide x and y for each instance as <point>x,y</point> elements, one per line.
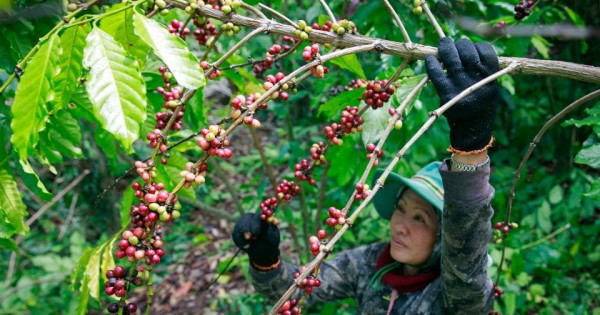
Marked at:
<point>57,197</point>
<point>337,235</point>
<point>279,15</point>
<point>11,264</point>
<point>205,288</point>
<point>328,10</point>
<point>211,44</point>
<point>396,74</point>
<point>69,216</point>
<point>432,19</point>
<point>206,208</point>
<point>398,21</point>
<point>545,238</point>
<point>253,62</point>
<point>536,139</point>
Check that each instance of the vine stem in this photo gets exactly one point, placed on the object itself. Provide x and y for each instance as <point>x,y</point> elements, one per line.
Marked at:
<point>279,15</point>
<point>433,116</point>
<point>436,25</point>
<point>399,22</point>
<point>532,146</point>
<point>546,238</point>
<point>328,10</point>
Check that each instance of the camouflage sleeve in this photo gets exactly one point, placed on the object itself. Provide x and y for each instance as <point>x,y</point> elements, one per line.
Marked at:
<point>339,277</point>
<point>466,229</point>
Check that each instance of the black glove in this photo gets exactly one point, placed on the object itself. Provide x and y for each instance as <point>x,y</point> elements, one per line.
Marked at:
<point>258,238</point>
<point>471,120</point>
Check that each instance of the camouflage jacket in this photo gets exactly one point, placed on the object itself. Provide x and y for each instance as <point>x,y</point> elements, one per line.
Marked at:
<point>464,286</point>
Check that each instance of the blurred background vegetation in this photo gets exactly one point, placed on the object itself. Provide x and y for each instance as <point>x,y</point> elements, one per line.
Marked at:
<point>557,274</point>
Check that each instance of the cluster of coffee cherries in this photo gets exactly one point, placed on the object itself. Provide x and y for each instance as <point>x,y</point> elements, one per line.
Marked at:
<point>267,208</point>
<point>317,153</point>
<point>205,66</point>
<point>230,29</point>
<point>301,172</point>
<point>310,52</point>
<point>274,79</point>
<point>309,283</point>
<point>418,7</point>
<point>375,95</point>
<point>523,9</point>
<point>501,230</point>
<point>286,189</point>
<point>240,102</point>
<point>146,171</point>
<point>204,30</point>
<point>290,307</point>
<point>209,142</point>
<point>171,95</point>
<point>193,175</point>
<point>355,84</point>
<point>497,292</point>
<point>500,24</point>
<point>350,121</point>
<point>261,66</point>
<point>336,218</point>
<point>342,27</point>
<point>154,138</point>
<point>303,30</point>
<point>230,5</point>
<point>118,283</point>
<point>315,243</point>
<point>362,191</point>
<point>371,150</point>
<point>176,27</point>
<point>135,246</point>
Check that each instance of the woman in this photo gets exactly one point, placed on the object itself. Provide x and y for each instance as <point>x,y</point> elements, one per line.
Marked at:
<point>436,260</point>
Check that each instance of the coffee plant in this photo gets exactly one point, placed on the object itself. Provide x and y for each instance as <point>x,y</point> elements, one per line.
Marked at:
<point>129,117</point>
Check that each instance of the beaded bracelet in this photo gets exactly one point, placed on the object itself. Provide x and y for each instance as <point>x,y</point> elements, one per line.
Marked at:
<point>459,152</point>
<point>273,266</point>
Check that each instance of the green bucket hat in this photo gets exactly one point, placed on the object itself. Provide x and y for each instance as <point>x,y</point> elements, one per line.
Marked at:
<point>427,183</point>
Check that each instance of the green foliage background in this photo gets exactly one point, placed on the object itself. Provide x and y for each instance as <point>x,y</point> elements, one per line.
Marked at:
<point>57,131</point>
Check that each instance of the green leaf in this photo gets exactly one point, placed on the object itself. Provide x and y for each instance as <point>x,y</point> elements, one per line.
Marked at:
<point>541,45</point>
<point>556,195</point>
<point>84,296</point>
<point>543,217</point>
<point>589,156</point>
<point>80,266</point>
<point>594,191</point>
<point>9,243</point>
<point>108,261</point>
<point>172,50</point>
<point>577,20</point>
<point>126,202</point>
<point>11,201</point>
<point>120,27</point>
<point>116,87</point>
<point>72,42</point>
<point>6,228</point>
<point>196,114</point>
<point>402,91</point>
<point>375,123</point>
<point>32,181</point>
<point>92,272</point>
<point>510,300</point>
<point>64,134</point>
<point>588,121</point>
<point>337,103</point>
<point>34,91</point>
<point>350,63</point>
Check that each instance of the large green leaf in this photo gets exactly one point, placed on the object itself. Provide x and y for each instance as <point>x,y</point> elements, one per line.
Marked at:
<point>92,272</point>
<point>32,181</point>
<point>84,296</point>
<point>120,27</point>
<point>589,156</point>
<point>337,103</point>
<point>7,229</point>
<point>35,90</point>
<point>350,63</point>
<point>72,42</point>
<point>11,202</point>
<point>65,134</point>
<point>116,87</point>
<point>172,50</point>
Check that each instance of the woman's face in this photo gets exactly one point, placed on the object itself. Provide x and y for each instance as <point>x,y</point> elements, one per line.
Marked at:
<point>413,229</point>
